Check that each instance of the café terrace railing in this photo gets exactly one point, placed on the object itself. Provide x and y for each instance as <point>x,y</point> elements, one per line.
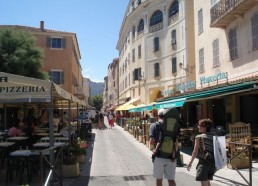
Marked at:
<point>54,175</point>
<point>247,147</point>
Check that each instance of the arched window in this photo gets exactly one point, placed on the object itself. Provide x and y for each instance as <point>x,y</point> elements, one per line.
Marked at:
<point>140,26</point>
<point>174,8</point>
<point>156,18</point>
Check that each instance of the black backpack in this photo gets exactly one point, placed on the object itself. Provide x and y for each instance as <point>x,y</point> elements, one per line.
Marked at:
<point>170,129</point>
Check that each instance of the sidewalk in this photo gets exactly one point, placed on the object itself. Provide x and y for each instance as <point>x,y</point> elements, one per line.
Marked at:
<point>224,176</point>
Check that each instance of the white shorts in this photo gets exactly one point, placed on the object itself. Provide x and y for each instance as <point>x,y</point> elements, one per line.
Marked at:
<point>164,167</point>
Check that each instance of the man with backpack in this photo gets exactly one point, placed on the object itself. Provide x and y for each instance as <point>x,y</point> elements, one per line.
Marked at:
<point>163,137</point>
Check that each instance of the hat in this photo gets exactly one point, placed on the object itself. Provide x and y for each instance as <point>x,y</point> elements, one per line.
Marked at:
<point>162,112</point>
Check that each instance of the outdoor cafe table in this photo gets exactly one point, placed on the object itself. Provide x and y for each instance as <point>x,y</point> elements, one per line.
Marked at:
<point>47,134</point>
<point>23,160</point>
<point>17,138</point>
<point>65,139</point>
<point>4,149</point>
<point>46,144</point>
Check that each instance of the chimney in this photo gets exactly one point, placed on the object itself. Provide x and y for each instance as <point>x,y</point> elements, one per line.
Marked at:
<point>42,25</point>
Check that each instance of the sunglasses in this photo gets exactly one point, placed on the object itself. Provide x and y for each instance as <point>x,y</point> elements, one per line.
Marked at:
<point>200,125</point>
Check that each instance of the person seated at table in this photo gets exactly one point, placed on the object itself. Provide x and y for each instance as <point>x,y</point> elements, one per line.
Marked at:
<point>30,132</point>
<point>14,130</point>
<point>56,122</point>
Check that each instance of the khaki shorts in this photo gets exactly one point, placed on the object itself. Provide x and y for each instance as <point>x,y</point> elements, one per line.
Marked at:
<point>164,167</point>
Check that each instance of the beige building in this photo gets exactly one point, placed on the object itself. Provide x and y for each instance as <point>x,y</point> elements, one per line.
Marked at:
<point>156,49</point>
<point>226,42</point>
<point>86,90</point>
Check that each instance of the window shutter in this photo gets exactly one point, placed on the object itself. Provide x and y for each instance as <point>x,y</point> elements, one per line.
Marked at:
<point>50,75</point>
<point>174,65</point>
<point>139,74</point>
<point>63,43</point>
<point>62,78</point>
<point>156,69</point>
<point>135,75</point>
<point>173,35</point>
<point>48,42</point>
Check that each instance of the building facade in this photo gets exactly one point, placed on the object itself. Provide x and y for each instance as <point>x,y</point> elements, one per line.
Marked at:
<point>156,49</point>
<point>61,57</point>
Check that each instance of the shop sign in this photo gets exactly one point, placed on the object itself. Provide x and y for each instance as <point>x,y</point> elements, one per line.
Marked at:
<point>19,89</point>
<point>166,93</point>
<point>186,86</point>
<point>216,77</point>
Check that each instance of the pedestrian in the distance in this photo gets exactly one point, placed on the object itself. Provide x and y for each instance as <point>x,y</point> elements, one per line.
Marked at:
<point>203,149</point>
<point>111,121</point>
<point>101,120</point>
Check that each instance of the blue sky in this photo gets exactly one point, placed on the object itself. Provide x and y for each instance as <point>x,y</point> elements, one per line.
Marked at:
<point>96,24</point>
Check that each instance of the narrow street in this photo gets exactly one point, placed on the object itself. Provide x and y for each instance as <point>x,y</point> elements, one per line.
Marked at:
<point>116,158</point>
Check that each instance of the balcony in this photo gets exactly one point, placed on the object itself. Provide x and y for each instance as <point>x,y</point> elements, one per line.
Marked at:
<point>226,11</point>
<point>156,27</point>
<point>78,91</point>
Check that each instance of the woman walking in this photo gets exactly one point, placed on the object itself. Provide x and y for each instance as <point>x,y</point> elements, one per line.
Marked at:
<point>111,121</point>
<point>203,148</point>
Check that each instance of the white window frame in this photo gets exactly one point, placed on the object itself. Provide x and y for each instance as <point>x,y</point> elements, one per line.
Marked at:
<point>200,21</point>
<point>232,42</point>
<point>215,47</point>
<point>201,60</point>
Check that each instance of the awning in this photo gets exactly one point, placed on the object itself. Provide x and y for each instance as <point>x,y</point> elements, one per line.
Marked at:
<point>142,107</point>
<point>218,92</point>
<point>207,94</point>
<point>125,107</point>
<point>132,101</point>
<point>171,103</point>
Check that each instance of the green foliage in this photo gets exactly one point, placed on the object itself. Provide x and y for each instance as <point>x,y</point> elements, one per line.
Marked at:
<point>96,101</point>
<point>18,54</point>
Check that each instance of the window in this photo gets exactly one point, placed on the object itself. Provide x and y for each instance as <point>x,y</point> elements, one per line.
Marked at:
<point>173,37</point>
<point>57,76</point>
<point>56,42</point>
<point>137,74</point>
<point>139,51</point>
<point>156,44</point>
<point>201,60</point>
<point>156,18</point>
<point>140,26</point>
<point>232,37</point>
<point>133,5</point>
<point>200,21</point>
<point>215,46</point>
<point>139,2</point>
<point>254,22</point>
<point>174,8</point>
<point>156,69</point>
<point>133,55</point>
<point>174,65</point>
<point>133,31</point>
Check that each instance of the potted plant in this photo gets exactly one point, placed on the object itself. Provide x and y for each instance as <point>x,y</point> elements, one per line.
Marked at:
<point>79,149</point>
<point>70,167</point>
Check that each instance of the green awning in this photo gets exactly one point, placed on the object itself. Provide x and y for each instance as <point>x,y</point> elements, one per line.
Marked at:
<point>141,108</point>
<point>221,91</point>
<point>171,103</point>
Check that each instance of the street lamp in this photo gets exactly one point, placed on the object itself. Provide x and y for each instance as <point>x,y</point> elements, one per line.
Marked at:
<point>182,67</point>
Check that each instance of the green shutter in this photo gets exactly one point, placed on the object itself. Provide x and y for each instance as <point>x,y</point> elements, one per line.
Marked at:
<point>62,78</point>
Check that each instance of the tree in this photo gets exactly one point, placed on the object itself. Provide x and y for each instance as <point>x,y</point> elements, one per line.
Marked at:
<point>96,101</point>
<point>18,54</point>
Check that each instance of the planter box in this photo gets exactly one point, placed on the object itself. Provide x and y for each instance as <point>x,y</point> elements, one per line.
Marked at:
<point>239,164</point>
<point>81,158</point>
<point>140,139</point>
<point>126,128</point>
<point>71,170</point>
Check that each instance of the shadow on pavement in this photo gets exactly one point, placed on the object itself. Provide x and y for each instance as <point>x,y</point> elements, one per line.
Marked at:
<point>85,167</point>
